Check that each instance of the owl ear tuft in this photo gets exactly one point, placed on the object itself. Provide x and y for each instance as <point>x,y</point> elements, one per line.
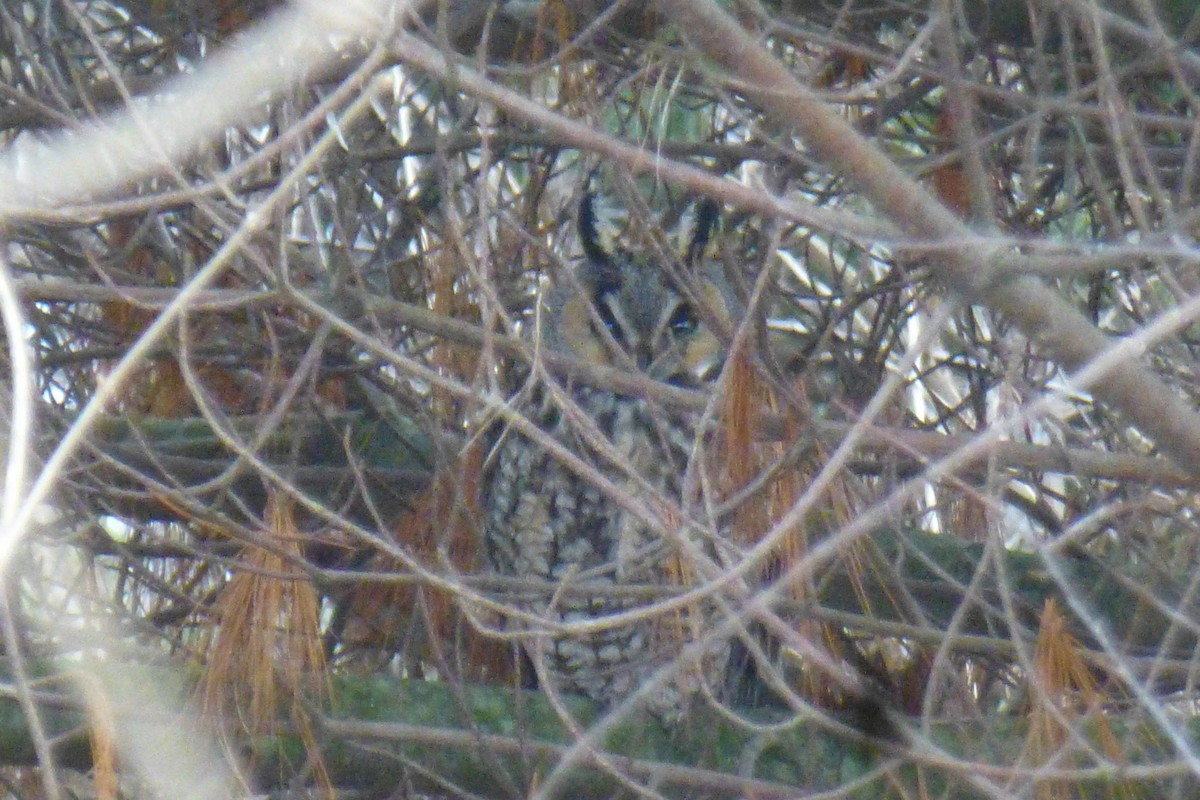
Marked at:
<point>604,275</point>
<point>707,212</point>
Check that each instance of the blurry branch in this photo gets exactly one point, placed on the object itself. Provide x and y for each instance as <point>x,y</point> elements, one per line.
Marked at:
<point>1006,22</point>
<point>145,297</point>
<point>491,740</point>
<point>238,78</point>
<point>959,589</point>
<point>971,266</point>
<point>975,266</point>
<point>238,239</point>
<point>24,113</point>
<point>436,734</point>
<point>852,226</point>
<point>95,160</point>
<point>187,460</point>
<point>921,445</point>
<point>175,455</point>
<point>1122,20</point>
<point>246,177</point>
<point>516,28</point>
<point>187,453</point>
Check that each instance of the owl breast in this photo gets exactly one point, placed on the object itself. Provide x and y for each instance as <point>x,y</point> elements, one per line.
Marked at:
<point>590,548</point>
<point>547,522</point>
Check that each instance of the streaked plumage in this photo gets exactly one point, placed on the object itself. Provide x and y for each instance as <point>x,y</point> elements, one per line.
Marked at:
<point>546,521</point>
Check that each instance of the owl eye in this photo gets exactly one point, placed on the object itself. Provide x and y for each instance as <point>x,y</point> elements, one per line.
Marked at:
<point>683,320</point>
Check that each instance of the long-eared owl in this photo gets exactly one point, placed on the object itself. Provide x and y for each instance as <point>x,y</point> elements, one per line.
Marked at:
<point>578,540</point>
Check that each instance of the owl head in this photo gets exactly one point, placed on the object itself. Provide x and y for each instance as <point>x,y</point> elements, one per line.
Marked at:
<point>624,310</point>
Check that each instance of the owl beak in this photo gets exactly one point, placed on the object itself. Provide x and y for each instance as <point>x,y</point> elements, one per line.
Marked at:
<point>646,362</point>
<point>697,363</point>
<point>708,368</point>
<point>704,357</point>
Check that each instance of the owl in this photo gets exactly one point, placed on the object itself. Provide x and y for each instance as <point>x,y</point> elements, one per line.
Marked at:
<point>583,548</point>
